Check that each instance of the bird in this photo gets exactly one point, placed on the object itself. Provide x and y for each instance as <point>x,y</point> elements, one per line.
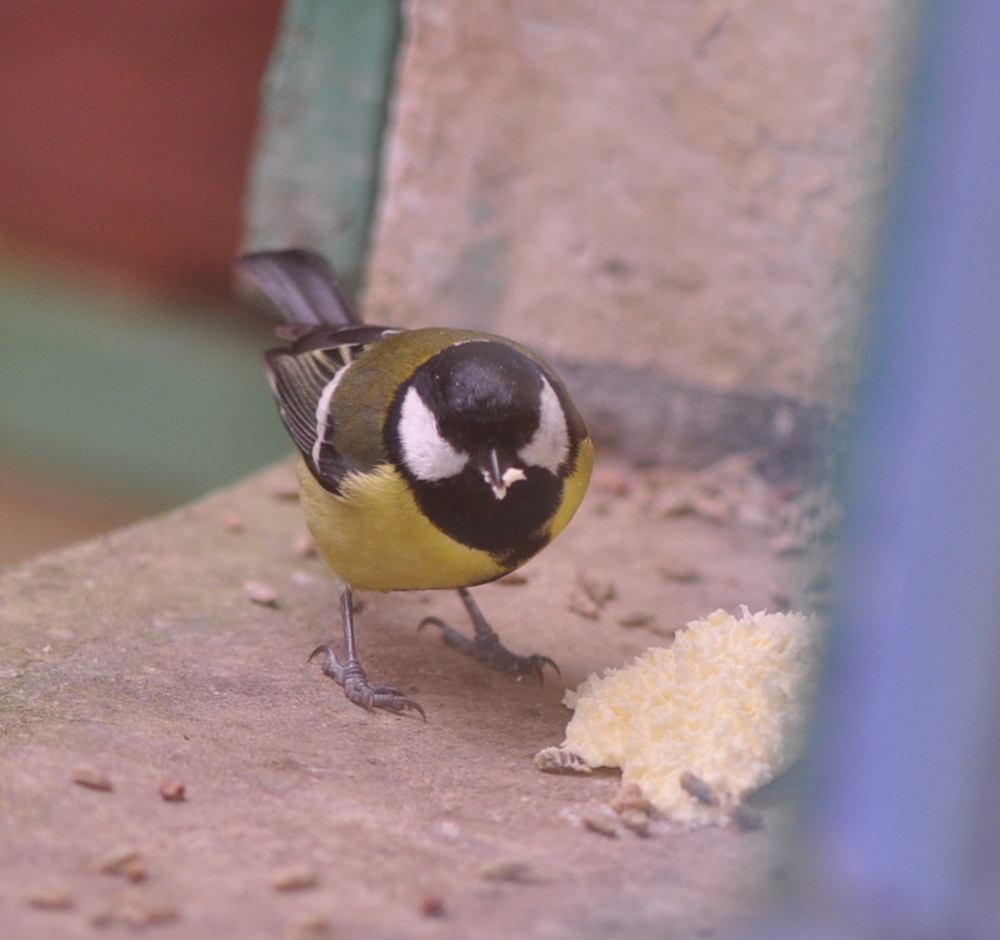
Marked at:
<point>428,459</point>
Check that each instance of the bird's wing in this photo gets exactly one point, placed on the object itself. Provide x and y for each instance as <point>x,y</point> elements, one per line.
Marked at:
<point>304,378</point>
<point>302,285</point>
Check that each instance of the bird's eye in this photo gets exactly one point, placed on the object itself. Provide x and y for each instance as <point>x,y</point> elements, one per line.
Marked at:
<point>549,445</point>
<point>425,452</point>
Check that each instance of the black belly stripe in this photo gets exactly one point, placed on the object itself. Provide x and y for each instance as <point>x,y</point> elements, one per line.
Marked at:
<point>513,558</point>
<point>511,529</point>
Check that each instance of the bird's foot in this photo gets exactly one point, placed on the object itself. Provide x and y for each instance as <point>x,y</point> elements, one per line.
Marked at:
<point>487,648</point>
<point>359,690</point>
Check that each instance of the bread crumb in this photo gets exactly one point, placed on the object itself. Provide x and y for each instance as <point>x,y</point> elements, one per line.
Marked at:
<point>699,726</point>
<point>555,759</point>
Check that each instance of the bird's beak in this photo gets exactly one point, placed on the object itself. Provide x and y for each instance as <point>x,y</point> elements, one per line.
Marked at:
<point>498,477</point>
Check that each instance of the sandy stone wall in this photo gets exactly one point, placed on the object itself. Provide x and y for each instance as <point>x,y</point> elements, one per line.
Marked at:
<point>680,185</point>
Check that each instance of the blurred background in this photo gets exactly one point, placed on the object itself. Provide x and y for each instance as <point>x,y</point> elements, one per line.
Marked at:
<point>673,201</point>
<point>128,377</point>
<point>130,374</point>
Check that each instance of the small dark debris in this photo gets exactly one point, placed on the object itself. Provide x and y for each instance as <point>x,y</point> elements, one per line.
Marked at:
<point>697,787</point>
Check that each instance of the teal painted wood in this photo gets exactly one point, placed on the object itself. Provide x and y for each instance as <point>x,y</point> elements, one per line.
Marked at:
<point>324,104</point>
<point>139,401</point>
<point>162,405</point>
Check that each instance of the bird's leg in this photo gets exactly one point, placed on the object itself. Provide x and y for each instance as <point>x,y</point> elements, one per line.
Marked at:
<point>352,677</point>
<point>485,644</point>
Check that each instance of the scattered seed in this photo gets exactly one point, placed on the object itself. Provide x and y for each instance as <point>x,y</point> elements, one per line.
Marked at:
<point>746,818</point>
<point>305,546</point>
<point>584,606</point>
<point>101,917</point>
<point>173,791</point>
<point>93,779</point>
<point>137,911</point>
<point>124,860</point>
<point>637,618</point>
<point>514,579</point>
<point>284,486</point>
<point>666,632</point>
<point>261,594</point>
<point>754,517</point>
<point>316,927</point>
<point>669,502</point>
<point>598,590</point>
<point>611,480</point>
<point>432,905</point>
<point>629,796</point>
<point>636,820</point>
<point>713,508</point>
<point>788,544</point>
<point>294,878</point>
<point>697,788</point>
<point>233,522</point>
<point>511,869</point>
<point>677,571</point>
<point>780,597</point>
<point>51,897</point>
<point>135,871</point>
<point>599,822</point>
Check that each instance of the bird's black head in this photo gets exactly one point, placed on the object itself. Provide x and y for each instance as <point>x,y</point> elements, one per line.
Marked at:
<point>482,437</point>
<point>483,394</point>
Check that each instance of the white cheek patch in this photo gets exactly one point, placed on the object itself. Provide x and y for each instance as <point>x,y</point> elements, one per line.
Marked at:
<point>549,447</point>
<point>425,452</point>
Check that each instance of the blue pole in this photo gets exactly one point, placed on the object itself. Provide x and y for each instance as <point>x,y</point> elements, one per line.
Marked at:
<point>913,675</point>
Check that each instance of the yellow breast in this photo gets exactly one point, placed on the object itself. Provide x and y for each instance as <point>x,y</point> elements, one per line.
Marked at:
<point>374,537</point>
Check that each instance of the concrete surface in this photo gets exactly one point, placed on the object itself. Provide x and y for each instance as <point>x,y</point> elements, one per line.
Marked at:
<point>138,660</point>
<point>688,186</point>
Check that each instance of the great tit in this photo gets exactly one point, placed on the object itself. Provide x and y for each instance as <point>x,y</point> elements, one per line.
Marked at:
<point>429,458</point>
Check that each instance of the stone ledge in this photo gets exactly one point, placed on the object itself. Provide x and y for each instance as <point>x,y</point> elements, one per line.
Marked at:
<point>140,657</point>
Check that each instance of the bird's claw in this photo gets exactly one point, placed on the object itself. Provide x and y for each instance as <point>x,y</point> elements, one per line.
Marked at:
<point>487,648</point>
<point>359,690</point>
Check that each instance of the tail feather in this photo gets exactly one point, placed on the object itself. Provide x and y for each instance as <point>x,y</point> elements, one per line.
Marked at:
<point>302,285</point>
